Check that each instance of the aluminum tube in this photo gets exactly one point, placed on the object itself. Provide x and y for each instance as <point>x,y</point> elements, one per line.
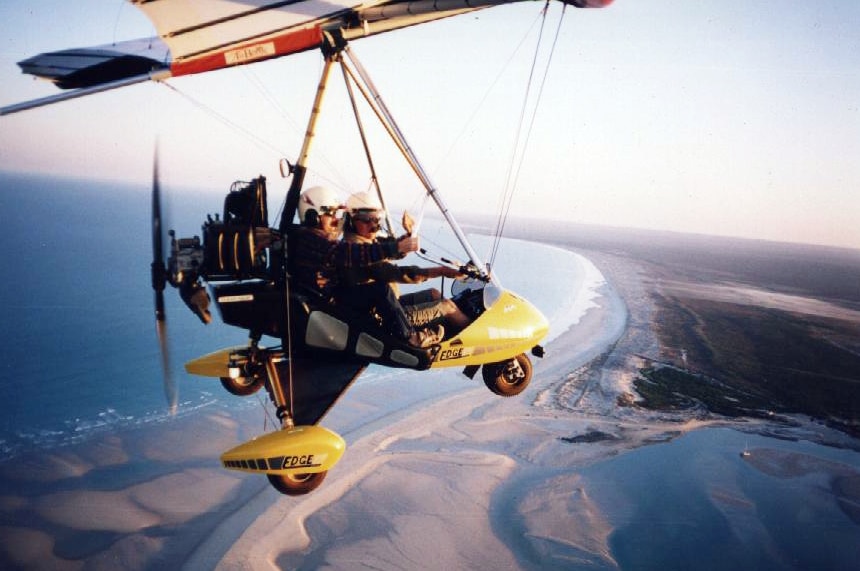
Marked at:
<point>416,165</point>
<point>33,103</point>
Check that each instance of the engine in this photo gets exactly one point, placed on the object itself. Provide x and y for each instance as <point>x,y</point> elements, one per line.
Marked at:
<point>234,248</point>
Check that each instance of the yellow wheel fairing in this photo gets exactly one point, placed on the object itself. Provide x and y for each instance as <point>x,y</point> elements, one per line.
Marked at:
<point>214,364</point>
<point>509,327</point>
<point>299,450</point>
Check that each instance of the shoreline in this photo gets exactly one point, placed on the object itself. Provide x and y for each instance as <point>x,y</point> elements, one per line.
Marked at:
<point>454,471</point>
<point>141,475</point>
<point>266,540</point>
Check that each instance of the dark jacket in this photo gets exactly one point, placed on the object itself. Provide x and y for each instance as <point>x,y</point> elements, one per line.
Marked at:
<point>322,264</point>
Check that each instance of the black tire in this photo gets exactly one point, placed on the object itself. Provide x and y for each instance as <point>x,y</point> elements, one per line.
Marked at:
<point>508,378</point>
<point>242,386</point>
<point>296,484</point>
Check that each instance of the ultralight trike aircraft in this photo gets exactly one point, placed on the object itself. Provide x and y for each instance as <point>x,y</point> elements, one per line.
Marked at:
<point>246,262</point>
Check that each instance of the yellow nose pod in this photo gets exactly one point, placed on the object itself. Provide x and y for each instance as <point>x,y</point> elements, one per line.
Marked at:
<point>302,449</point>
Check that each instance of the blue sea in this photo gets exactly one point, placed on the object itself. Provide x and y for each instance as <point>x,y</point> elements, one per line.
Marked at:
<point>80,353</point>
<point>79,350</point>
<point>695,503</point>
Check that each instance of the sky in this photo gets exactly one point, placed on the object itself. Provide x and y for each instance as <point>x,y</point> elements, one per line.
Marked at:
<point>722,117</point>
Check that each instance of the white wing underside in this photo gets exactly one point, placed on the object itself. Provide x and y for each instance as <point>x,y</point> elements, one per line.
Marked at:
<point>196,37</point>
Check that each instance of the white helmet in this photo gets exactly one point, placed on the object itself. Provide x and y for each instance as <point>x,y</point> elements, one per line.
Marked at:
<point>363,201</point>
<point>319,200</point>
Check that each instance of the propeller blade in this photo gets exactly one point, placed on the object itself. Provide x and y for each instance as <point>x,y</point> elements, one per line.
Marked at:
<point>170,390</point>
<point>159,280</point>
<point>159,270</point>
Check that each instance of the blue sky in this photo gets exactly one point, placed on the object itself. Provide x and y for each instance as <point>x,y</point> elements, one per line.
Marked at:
<point>716,116</point>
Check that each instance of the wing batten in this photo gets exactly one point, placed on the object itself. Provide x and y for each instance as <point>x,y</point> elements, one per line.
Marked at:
<point>194,29</point>
<point>232,17</point>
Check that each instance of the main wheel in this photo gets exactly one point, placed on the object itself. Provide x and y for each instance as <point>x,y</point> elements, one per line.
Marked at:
<point>508,378</point>
<point>242,386</point>
<point>296,484</point>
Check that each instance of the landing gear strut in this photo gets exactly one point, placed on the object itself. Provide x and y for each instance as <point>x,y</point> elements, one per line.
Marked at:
<point>290,484</point>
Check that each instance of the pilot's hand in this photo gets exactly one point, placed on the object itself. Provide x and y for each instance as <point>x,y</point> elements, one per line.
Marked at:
<point>406,244</point>
<point>321,280</point>
<point>451,273</point>
<point>408,223</point>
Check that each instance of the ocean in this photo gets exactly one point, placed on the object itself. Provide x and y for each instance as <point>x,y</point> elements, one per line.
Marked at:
<point>779,508</point>
<point>80,353</point>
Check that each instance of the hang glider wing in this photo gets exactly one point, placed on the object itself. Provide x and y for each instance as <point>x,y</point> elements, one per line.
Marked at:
<point>196,37</point>
<point>88,67</point>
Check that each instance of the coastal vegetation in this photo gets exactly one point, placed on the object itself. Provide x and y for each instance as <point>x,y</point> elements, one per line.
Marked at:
<point>745,360</point>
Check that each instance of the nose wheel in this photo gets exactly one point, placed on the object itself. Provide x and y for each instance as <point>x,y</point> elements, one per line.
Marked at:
<point>508,378</point>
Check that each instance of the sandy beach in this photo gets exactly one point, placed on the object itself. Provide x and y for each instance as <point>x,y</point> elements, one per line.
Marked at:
<point>440,475</point>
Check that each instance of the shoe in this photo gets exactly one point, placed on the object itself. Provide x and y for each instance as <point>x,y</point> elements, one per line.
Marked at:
<point>427,337</point>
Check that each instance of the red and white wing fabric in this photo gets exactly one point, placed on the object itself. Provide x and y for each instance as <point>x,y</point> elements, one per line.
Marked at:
<point>205,36</point>
<point>196,36</point>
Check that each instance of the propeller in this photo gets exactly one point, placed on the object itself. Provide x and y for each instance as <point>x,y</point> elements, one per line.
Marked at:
<point>159,280</point>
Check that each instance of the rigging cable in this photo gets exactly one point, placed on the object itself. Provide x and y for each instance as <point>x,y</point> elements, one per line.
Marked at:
<point>267,94</point>
<point>421,203</point>
<point>116,22</point>
<point>489,90</point>
<point>507,195</point>
<point>250,135</point>
<point>267,417</point>
<point>232,124</point>
<point>511,186</point>
<point>374,180</point>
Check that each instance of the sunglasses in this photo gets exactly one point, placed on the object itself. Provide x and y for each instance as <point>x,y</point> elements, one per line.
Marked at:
<point>368,217</point>
<point>335,211</point>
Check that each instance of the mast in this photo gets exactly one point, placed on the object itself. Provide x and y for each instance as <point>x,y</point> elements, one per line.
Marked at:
<point>333,46</point>
<point>300,168</point>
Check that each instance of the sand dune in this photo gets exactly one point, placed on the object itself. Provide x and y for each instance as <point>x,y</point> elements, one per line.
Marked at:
<point>440,474</point>
<point>463,482</point>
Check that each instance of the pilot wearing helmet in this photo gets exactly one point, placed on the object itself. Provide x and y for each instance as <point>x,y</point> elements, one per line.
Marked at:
<point>424,308</point>
<point>320,261</point>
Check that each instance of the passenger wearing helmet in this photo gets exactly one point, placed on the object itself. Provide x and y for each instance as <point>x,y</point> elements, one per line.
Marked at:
<point>423,308</point>
<point>318,259</point>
